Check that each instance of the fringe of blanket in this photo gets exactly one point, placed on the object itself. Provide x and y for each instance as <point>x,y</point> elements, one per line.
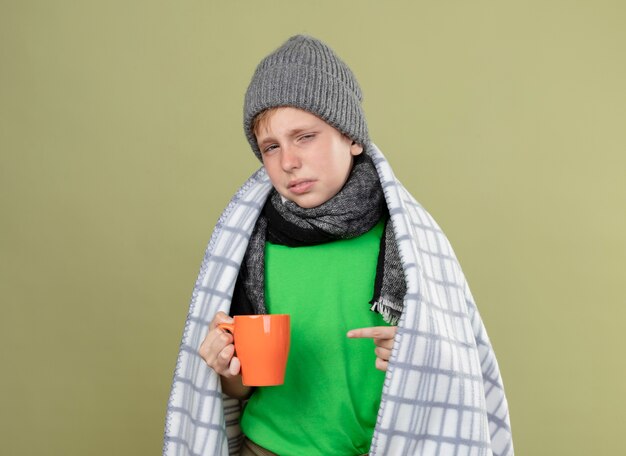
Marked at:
<point>389,309</point>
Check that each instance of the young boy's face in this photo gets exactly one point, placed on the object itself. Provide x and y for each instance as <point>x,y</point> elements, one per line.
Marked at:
<point>307,160</point>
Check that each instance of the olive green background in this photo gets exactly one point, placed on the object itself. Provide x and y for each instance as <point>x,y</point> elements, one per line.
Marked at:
<point>121,142</point>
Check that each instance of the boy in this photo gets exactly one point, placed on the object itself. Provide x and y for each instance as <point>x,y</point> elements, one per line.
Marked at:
<point>336,233</point>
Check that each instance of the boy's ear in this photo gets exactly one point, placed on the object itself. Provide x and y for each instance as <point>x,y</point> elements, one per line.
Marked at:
<point>356,149</point>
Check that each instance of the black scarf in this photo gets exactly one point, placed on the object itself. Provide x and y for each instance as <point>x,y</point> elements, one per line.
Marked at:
<point>358,206</point>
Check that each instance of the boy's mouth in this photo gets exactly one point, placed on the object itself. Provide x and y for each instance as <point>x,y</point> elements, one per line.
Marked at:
<point>300,186</point>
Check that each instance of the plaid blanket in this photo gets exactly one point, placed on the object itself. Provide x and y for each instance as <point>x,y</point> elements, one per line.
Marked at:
<point>443,394</point>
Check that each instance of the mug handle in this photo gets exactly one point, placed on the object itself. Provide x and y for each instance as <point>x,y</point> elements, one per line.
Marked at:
<point>230,327</point>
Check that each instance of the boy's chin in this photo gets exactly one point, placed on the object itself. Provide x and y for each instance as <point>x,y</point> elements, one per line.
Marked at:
<point>304,203</point>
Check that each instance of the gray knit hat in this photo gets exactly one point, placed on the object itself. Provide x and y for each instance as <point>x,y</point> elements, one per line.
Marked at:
<point>305,73</point>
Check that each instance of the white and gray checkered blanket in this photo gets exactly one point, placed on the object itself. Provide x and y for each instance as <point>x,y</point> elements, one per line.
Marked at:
<point>443,394</point>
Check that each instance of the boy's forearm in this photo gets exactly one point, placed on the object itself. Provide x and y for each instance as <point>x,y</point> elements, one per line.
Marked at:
<point>233,387</point>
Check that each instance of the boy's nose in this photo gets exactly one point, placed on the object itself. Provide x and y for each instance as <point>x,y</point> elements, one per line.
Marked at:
<point>289,159</point>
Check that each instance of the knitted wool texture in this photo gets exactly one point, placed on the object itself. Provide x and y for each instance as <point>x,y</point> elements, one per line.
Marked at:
<point>305,73</point>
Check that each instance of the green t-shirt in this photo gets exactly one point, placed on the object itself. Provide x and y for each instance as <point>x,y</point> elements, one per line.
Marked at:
<point>330,399</point>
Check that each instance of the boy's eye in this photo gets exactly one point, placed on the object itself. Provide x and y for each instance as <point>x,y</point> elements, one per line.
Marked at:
<point>270,148</point>
<point>307,137</point>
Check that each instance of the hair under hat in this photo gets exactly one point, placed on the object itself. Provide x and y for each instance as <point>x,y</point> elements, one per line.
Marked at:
<point>305,73</point>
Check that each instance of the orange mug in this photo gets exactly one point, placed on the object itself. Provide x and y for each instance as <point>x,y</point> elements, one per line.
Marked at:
<point>262,346</point>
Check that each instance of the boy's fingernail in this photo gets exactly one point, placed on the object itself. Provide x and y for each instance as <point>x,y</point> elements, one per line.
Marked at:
<point>350,333</point>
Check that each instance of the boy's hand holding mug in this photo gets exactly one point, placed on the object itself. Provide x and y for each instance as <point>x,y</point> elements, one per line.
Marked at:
<point>261,343</point>
<point>218,348</point>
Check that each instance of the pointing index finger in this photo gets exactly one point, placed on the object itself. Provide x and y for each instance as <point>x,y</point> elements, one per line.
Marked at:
<point>374,332</point>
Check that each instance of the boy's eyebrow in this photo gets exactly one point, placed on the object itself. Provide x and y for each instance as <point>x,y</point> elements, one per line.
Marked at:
<point>293,132</point>
<point>298,130</point>
<point>265,140</point>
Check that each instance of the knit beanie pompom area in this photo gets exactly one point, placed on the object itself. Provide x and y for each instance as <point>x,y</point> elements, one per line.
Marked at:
<point>305,73</point>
